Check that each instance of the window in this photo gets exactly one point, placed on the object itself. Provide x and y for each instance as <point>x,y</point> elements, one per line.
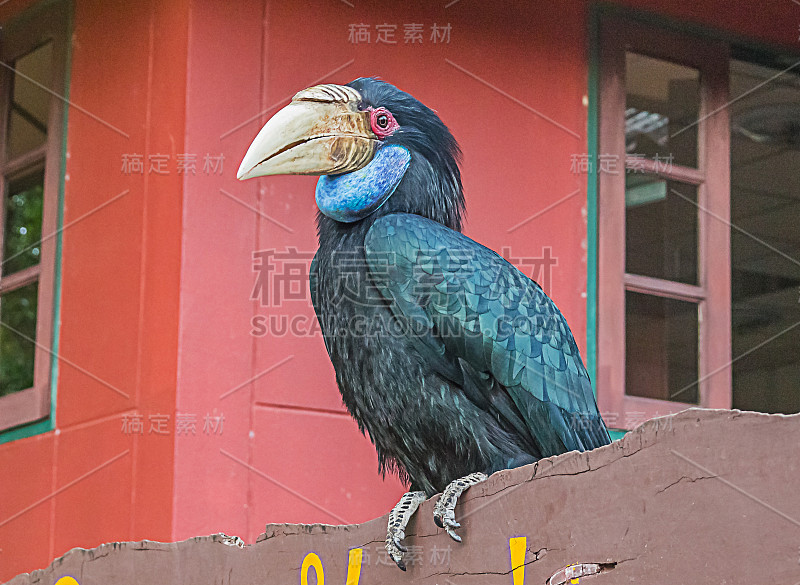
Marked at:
<point>33,55</point>
<point>765,237</point>
<point>698,251</point>
<point>663,292</point>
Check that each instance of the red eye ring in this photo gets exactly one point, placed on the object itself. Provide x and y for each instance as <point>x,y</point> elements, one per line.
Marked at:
<point>382,122</point>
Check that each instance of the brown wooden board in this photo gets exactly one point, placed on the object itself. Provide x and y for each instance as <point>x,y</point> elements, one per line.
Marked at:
<point>704,496</point>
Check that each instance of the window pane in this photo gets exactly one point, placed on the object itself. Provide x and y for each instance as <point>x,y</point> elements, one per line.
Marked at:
<point>18,317</point>
<point>661,348</point>
<point>30,104</point>
<point>765,265</point>
<point>660,228</point>
<point>661,108</point>
<point>22,232</point>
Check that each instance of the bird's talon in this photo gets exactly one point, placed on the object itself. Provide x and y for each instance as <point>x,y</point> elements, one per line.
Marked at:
<point>398,520</point>
<point>444,512</point>
<point>394,550</point>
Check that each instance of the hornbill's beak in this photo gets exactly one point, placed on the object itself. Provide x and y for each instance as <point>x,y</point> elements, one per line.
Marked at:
<point>321,132</point>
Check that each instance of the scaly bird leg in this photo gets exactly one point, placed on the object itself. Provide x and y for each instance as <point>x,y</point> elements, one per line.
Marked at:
<point>444,512</point>
<point>398,520</point>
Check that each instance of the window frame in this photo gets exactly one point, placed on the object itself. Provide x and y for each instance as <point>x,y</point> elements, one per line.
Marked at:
<point>21,36</point>
<point>617,35</point>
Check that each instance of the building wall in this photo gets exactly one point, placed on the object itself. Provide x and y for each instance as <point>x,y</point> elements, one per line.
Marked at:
<point>156,287</point>
<point>119,297</point>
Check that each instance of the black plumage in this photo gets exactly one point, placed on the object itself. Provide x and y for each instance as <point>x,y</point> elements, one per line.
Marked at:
<point>451,359</point>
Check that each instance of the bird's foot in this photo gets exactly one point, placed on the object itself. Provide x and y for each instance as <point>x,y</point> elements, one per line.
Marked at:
<point>444,512</point>
<point>398,520</point>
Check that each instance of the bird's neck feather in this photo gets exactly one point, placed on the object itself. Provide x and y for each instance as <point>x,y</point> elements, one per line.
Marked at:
<point>424,191</point>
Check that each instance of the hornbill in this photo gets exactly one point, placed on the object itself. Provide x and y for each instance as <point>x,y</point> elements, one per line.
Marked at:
<point>454,362</point>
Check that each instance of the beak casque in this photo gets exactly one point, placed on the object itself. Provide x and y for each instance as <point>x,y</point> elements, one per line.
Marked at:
<point>321,132</point>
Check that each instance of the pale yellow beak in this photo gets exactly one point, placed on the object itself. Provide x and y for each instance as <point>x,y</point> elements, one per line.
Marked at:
<point>321,132</point>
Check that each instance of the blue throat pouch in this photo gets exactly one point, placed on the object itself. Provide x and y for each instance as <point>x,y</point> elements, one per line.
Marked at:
<point>353,196</point>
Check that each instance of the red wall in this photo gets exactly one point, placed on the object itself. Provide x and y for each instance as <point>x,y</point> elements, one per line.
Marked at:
<point>119,299</point>
<point>156,286</point>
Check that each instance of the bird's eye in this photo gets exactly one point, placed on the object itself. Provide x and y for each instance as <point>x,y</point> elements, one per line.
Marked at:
<point>382,122</point>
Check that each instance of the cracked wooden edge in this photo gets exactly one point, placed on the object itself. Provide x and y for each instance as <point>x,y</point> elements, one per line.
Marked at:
<point>572,463</point>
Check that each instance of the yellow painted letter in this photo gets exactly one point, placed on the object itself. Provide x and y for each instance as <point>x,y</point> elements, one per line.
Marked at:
<point>517,546</point>
<point>354,567</point>
<point>312,560</point>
